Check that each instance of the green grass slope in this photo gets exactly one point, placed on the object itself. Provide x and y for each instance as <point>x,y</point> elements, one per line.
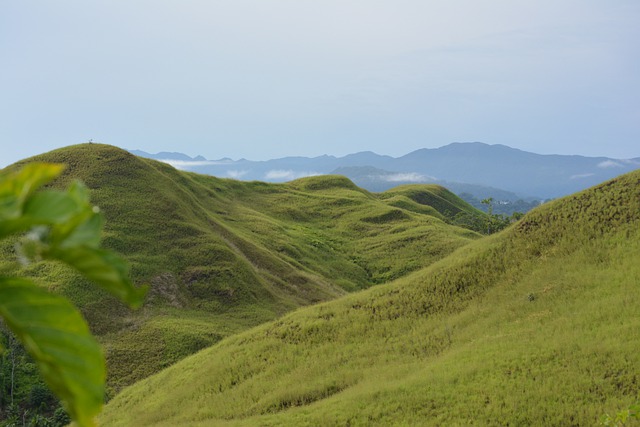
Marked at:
<point>428,198</point>
<point>222,255</point>
<point>536,325</point>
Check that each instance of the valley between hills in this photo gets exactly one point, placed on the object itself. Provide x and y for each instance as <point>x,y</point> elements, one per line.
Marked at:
<point>316,302</point>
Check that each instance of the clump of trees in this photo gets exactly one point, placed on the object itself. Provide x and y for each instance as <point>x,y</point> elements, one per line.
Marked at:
<point>486,224</point>
<point>496,222</point>
<point>24,397</point>
<point>502,207</point>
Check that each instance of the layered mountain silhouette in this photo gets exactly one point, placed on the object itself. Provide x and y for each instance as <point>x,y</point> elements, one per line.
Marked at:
<point>480,169</point>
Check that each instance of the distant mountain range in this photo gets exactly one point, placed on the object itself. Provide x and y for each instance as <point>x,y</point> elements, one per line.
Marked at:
<point>479,169</point>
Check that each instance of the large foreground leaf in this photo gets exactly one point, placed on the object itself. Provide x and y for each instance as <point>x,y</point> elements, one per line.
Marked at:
<point>15,189</point>
<point>57,337</point>
<point>62,226</point>
<point>105,269</point>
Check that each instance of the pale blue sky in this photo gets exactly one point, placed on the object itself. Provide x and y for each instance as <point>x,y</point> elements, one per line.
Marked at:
<point>269,78</point>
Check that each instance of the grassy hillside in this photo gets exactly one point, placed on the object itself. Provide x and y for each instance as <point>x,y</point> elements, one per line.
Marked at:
<point>537,325</point>
<point>222,256</point>
<point>428,198</point>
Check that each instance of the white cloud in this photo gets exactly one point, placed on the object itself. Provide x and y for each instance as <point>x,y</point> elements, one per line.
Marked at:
<point>186,164</point>
<point>406,177</point>
<point>581,175</point>
<point>609,164</point>
<point>235,174</point>
<point>287,175</point>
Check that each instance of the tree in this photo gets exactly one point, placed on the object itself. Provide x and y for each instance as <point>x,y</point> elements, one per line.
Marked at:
<point>516,216</point>
<point>489,203</point>
<point>62,226</point>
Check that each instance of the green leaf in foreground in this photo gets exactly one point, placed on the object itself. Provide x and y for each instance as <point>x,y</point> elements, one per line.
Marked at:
<point>62,226</point>
<point>103,268</point>
<point>56,335</point>
<point>15,189</point>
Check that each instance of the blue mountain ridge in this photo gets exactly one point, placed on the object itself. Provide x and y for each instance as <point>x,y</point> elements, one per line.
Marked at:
<point>486,170</point>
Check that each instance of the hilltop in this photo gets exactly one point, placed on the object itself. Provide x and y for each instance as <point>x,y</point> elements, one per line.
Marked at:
<point>222,255</point>
<point>536,325</point>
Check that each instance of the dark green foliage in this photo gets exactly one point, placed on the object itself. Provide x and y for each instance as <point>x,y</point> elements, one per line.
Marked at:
<point>502,207</point>
<point>23,395</point>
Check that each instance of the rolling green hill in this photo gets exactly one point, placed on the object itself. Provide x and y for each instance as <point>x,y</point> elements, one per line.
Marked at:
<point>427,199</point>
<point>536,325</point>
<point>222,255</point>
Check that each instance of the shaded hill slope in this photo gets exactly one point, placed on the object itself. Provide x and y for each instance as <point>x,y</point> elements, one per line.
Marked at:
<point>222,255</point>
<point>536,325</point>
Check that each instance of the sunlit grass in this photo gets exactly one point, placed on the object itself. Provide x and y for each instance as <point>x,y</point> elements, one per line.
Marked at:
<point>537,325</point>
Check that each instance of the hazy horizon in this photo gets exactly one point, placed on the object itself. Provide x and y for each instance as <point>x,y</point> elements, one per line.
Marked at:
<point>265,80</point>
<point>210,160</point>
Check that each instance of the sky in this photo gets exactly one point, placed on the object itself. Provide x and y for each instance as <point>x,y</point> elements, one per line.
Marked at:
<point>262,79</point>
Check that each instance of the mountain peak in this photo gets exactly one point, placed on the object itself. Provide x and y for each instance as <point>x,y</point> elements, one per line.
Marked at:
<point>165,155</point>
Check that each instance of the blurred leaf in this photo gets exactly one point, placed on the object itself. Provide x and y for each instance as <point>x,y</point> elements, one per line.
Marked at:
<point>12,226</point>
<point>85,227</point>
<point>104,268</point>
<point>87,233</point>
<point>15,188</point>
<point>57,337</point>
<point>79,192</point>
<point>62,226</point>
<point>50,207</point>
